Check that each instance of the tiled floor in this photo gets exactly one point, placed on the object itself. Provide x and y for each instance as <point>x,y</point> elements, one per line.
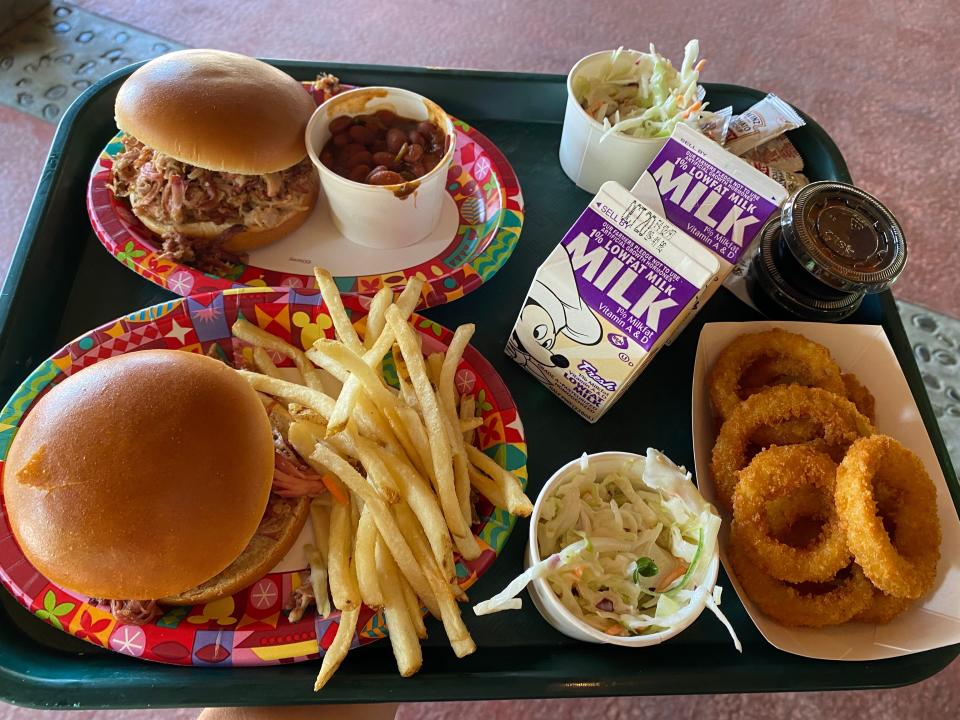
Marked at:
<point>877,74</point>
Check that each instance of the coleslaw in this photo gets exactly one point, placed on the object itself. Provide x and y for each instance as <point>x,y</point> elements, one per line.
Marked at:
<point>642,94</point>
<point>627,553</point>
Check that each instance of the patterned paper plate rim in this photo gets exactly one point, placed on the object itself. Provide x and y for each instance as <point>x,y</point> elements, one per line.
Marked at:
<point>481,183</point>
<point>251,627</point>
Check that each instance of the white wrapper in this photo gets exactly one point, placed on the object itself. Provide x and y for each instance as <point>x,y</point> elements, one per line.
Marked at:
<point>764,121</point>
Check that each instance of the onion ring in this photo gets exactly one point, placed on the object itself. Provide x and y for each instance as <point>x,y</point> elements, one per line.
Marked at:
<point>903,564</point>
<point>799,359</point>
<point>793,606</point>
<point>859,395</point>
<point>882,608</point>
<point>775,473</point>
<point>797,518</point>
<point>839,424</point>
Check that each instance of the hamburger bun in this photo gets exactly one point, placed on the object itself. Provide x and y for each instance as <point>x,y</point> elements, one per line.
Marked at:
<point>245,241</point>
<point>141,476</point>
<point>261,555</point>
<point>217,110</point>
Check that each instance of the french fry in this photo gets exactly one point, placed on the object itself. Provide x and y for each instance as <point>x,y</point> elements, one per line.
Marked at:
<point>329,354</point>
<point>375,316</point>
<point>338,314</point>
<point>436,432</point>
<point>447,391</point>
<point>320,524</point>
<point>488,488</point>
<point>315,400</point>
<point>367,576</point>
<point>516,502</point>
<point>324,456</point>
<point>256,336</point>
<point>466,544</point>
<point>345,443</point>
<point>402,633</point>
<point>457,632</point>
<point>291,392</point>
<point>468,412</point>
<point>373,357</point>
<point>343,580</point>
<point>423,461</point>
<point>417,494</point>
<point>261,358</point>
<point>434,365</point>
<point>467,426</point>
<point>338,649</point>
<point>413,608</point>
<point>318,579</point>
<point>303,436</point>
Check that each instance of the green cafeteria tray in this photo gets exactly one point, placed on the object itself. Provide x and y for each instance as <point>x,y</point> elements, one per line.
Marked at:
<point>62,283</point>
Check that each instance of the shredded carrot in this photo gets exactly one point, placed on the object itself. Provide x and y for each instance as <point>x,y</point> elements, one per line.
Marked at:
<point>336,488</point>
<point>699,66</point>
<point>577,572</point>
<point>614,630</point>
<point>692,109</point>
<point>665,582</point>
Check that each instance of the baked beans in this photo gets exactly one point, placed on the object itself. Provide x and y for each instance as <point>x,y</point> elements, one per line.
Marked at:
<point>383,148</point>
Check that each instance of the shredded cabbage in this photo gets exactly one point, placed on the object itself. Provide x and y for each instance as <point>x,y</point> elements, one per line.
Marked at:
<point>642,94</point>
<point>627,553</point>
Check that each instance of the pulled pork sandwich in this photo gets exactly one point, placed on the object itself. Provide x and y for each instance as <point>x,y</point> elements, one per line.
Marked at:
<point>149,479</point>
<point>213,158</point>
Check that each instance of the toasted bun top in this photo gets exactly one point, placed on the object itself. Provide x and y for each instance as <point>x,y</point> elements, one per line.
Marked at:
<point>287,516</point>
<point>217,110</point>
<point>141,476</point>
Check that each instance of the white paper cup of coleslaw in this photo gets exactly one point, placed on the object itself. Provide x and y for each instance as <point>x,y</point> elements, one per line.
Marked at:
<point>586,160</point>
<point>549,605</point>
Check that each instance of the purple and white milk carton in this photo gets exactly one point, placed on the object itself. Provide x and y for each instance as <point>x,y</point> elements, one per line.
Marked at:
<point>618,285</point>
<point>713,196</point>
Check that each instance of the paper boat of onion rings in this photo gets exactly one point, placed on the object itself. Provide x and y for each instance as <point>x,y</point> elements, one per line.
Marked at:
<point>931,622</point>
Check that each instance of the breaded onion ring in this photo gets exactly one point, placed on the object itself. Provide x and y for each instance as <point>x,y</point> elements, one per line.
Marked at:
<point>775,473</point>
<point>904,564</point>
<point>838,421</point>
<point>805,506</point>
<point>801,360</point>
<point>796,607</point>
<point>882,608</point>
<point>859,395</point>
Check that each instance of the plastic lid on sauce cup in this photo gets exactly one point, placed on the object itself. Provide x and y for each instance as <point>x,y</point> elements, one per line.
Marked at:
<point>844,236</point>
<point>781,297</point>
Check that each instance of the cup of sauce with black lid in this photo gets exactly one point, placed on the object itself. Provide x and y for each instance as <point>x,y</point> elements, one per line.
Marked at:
<point>832,244</point>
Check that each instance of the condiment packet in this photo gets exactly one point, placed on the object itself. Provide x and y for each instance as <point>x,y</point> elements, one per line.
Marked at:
<point>777,153</point>
<point>764,121</point>
<point>713,196</point>
<point>791,181</point>
<point>716,125</point>
<point>622,280</point>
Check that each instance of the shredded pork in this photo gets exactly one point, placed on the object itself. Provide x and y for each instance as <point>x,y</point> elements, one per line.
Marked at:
<point>300,599</point>
<point>132,612</point>
<point>176,193</point>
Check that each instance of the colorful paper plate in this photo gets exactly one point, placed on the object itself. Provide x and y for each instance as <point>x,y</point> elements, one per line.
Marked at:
<point>478,231</point>
<point>249,628</point>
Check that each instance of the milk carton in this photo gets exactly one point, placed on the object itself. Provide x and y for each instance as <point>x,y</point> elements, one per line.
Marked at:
<point>606,299</point>
<point>713,196</point>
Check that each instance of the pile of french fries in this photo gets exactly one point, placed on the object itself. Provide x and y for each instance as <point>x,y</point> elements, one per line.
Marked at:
<point>399,465</point>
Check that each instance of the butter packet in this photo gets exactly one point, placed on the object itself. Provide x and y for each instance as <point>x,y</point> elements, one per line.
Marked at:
<point>619,284</point>
<point>713,196</point>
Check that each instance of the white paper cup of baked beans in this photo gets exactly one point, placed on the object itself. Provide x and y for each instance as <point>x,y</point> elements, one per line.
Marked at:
<point>546,600</point>
<point>384,179</point>
<point>584,158</point>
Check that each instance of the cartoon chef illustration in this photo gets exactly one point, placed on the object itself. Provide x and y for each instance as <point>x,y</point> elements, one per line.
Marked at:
<point>553,307</point>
